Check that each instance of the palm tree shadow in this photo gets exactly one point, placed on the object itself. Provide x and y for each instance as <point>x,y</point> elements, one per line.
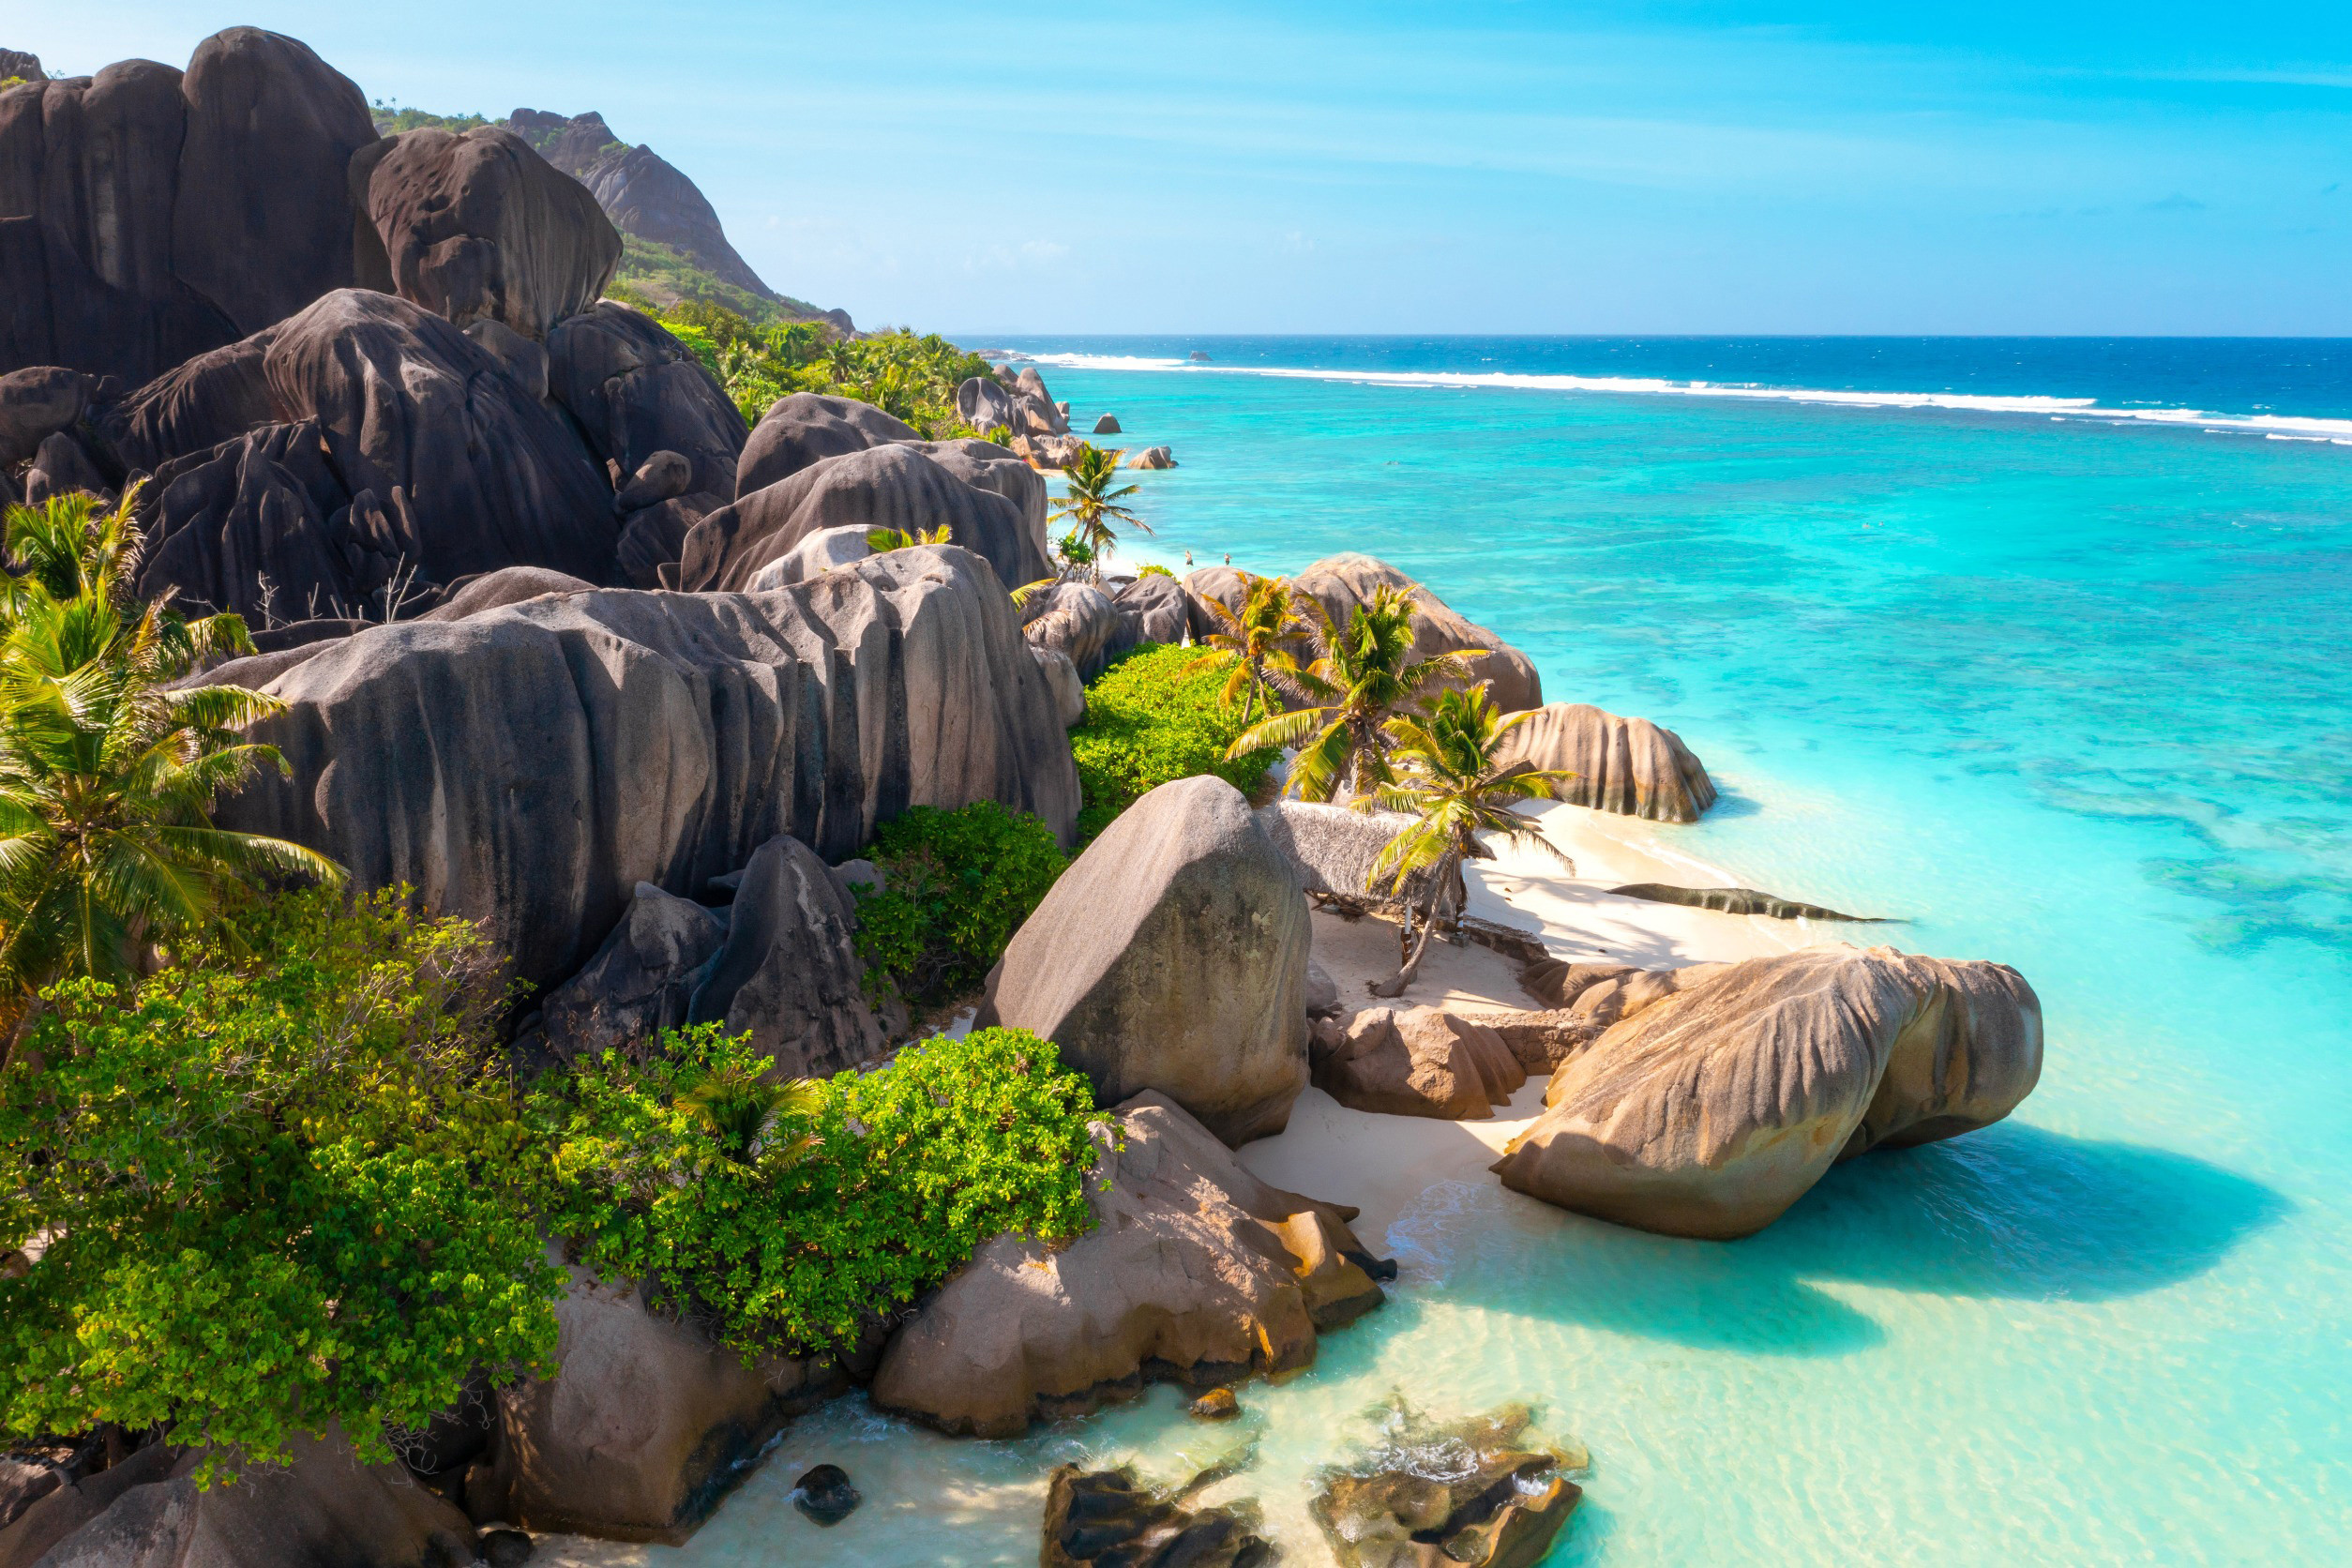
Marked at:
<point>2014,1212</point>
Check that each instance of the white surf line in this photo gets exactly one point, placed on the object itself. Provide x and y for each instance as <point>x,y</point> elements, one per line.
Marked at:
<point>2332,432</point>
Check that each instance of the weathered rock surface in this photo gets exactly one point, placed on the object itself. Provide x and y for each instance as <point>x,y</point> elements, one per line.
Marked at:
<point>34,404</point>
<point>1709,1112</point>
<point>1107,424</point>
<point>1079,622</point>
<point>1334,849</point>
<point>1738,900</point>
<point>788,974</point>
<point>1626,765</point>
<point>986,403</point>
<point>21,65</point>
<point>1103,1517</point>
<point>895,485</point>
<point>1469,1494</point>
<point>146,216</point>
<point>1540,1041</point>
<point>640,982</point>
<point>524,358</point>
<point>815,555</point>
<point>261,525</point>
<point>1043,414</point>
<point>478,225</point>
<point>530,765</point>
<point>1154,609</point>
<point>214,396</point>
<point>648,1426</point>
<point>1153,457</point>
<point>62,467</point>
<point>1598,995</point>
<point>805,428</point>
<point>1195,1271</point>
<point>326,1506</point>
<point>1420,1061</point>
<point>1171,956</point>
<point>635,391</point>
<point>1069,692</point>
<point>1341,582</point>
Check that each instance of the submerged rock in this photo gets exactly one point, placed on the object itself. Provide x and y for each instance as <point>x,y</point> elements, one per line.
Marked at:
<point>1467,1494</point>
<point>1218,1404</point>
<point>1104,1518</point>
<point>1711,1110</point>
<point>1626,765</point>
<point>1195,1271</point>
<point>1171,956</point>
<point>824,1494</point>
<point>1739,900</point>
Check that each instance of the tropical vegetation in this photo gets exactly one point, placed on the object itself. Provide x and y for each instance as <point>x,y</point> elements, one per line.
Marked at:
<point>1252,641</point>
<point>956,885</point>
<point>1151,717</point>
<point>913,378</point>
<point>1091,503</point>
<point>1448,778</point>
<point>1358,676</point>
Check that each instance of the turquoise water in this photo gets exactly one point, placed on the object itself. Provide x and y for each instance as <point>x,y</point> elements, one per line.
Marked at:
<point>2070,694</point>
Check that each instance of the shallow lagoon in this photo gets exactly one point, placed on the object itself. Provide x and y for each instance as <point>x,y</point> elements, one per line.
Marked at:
<point>2067,695</point>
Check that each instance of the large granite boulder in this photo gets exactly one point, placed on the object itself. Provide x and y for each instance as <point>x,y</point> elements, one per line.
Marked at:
<point>894,486</point>
<point>638,985</point>
<point>1154,607</point>
<point>146,216</point>
<point>210,397</point>
<point>1069,692</point>
<point>788,974</point>
<point>636,391</point>
<point>530,765</point>
<point>261,525</point>
<point>324,1506</point>
<point>1038,410</point>
<point>806,428</point>
<point>476,225</point>
<point>1079,622</point>
<point>986,403</point>
<point>469,472</point>
<point>34,404</point>
<point>263,219</point>
<point>1627,765</point>
<point>815,555</point>
<point>1171,956</point>
<point>1334,849</point>
<point>1195,1271</point>
<point>1419,1062</point>
<point>649,1423</point>
<point>1710,1110</point>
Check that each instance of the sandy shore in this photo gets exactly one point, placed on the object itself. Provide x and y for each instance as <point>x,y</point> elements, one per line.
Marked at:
<point>1383,1164</point>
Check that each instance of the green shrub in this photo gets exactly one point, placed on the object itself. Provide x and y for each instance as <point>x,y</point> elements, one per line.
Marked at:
<point>957,883</point>
<point>843,1210</point>
<point>1151,568</point>
<point>913,378</point>
<point>281,1191</point>
<point>1150,718</point>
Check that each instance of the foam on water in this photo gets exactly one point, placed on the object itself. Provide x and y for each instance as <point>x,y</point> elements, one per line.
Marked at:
<point>2068,695</point>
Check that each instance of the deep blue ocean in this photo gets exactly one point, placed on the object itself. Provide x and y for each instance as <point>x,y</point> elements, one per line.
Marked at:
<point>2040,644</point>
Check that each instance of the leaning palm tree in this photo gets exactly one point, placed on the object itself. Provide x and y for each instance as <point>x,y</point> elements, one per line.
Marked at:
<point>107,776</point>
<point>1449,780</point>
<point>1249,642</point>
<point>1091,503</point>
<point>1358,677</point>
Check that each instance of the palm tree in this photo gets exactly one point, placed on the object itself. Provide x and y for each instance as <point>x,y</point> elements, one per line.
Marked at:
<point>741,1112</point>
<point>1357,678</point>
<point>106,778</point>
<point>1250,641</point>
<point>1455,790</point>
<point>1092,502</point>
<point>882,539</point>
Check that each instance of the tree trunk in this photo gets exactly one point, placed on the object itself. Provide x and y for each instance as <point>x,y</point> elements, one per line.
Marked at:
<point>1439,886</point>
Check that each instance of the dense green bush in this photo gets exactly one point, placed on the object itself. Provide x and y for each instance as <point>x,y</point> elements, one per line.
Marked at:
<point>957,883</point>
<point>841,1209</point>
<point>912,377</point>
<point>283,1187</point>
<point>1151,718</point>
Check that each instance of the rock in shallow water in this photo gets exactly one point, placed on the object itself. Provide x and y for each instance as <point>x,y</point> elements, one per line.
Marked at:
<point>824,1494</point>
<point>1738,900</point>
<point>1105,1519</point>
<point>1480,1492</point>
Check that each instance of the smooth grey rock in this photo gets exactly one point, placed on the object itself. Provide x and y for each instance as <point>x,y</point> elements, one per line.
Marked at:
<point>1107,424</point>
<point>1079,622</point>
<point>985,404</point>
<point>1627,765</point>
<point>1709,1112</point>
<point>1341,582</point>
<point>530,765</point>
<point>476,224</point>
<point>1171,956</point>
<point>635,390</point>
<point>815,555</point>
<point>36,404</point>
<point>61,467</point>
<point>524,358</point>
<point>505,586</point>
<point>653,539</point>
<point>1069,692</point>
<point>789,974</point>
<point>659,477</point>
<point>639,983</point>
<point>1038,404</point>
<point>1151,457</point>
<point>214,396</point>
<point>1155,609</point>
<point>1322,992</point>
<point>1194,1271</point>
<point>1420,1061</point>
<point>806,428</point>
<point>1333,849</point>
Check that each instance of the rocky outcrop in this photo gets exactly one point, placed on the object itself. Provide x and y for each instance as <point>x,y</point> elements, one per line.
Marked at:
<point>214,396</point>
<point>245,527</point>
<point>324,1506</point>
<point>1195,1271</point>
<point>896,486</point>
<point>1171,956</point>
<point>805,428</point>
<point>1341,582</point>
<point>788,974</point>
<point>478,225</point>
<point>1103,1517</point>
<point>1739,900</point>
<point>1107,424</point>
<point>1153,457</point>
<point>20,66</point>
<point>147,215</point>
<point>1079,622</point>
<point>1039,412</point>
<point>635,391</point>
<point>1419,1062</point>
<point>1334,849</point>
<point>1154,609</point>
<point>1542,1040</point>
<point>986,404</point>
<point>1714,1109</point>
<point>34,404</point>
<point>648,1426</point>
<point>1480,1492</point>
<point>530,765</point>
<point>1627,765</point>
<point>1069,692</point>
<point>638,985</point>
<point>62,466</point>
<point>815,555</point>
<point>1602,994</point>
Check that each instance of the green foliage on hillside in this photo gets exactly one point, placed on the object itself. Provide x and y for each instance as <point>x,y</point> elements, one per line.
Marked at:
<point>391,119</point>
<point>283,1187</point>
<point>848,1204</point>
<point>1152,716</point>
<point>654,278</point>
<point>912,377</point>
<point>957,885</point>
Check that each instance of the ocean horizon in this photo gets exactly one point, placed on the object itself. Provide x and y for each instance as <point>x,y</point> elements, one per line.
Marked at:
<point>2062,691</point>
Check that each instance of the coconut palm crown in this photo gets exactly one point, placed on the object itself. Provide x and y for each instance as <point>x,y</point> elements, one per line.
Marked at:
<point>1250,641</point>
<point>1091,503</point>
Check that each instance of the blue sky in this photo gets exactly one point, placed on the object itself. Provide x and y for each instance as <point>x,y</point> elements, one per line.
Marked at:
<point>1469,167</point>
